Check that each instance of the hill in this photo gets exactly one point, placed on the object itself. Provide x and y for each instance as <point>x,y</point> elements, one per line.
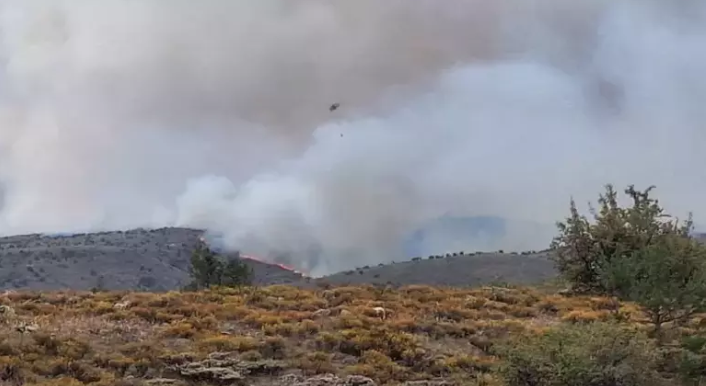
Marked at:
<point>139,259</point>
<point>277,335</point>
<point>455,270</point>
<point>158,260</point>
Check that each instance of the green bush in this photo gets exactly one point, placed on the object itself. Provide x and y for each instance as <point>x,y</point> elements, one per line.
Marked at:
<point>688,361</point>
<point>597,354</point>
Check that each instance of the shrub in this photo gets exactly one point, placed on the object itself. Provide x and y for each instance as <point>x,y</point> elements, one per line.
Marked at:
<point>228,343</point>
<point>578,355</point>
<point>316,362</point>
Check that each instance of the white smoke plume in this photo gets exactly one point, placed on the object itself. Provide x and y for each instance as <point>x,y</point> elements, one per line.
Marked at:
<point>215,114</point>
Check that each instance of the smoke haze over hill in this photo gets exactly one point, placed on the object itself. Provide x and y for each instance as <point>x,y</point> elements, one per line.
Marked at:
<point>214,114</point>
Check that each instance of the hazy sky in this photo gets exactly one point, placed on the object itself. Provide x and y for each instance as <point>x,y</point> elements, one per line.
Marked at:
<point>119,113</point>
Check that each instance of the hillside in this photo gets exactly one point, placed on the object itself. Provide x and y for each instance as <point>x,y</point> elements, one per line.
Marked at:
<point>154,260</point>
<point>158,260</point>
<point>456,270</point>
<point>276,335</point>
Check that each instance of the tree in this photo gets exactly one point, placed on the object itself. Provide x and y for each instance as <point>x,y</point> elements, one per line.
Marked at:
<point>667,279</point>
<point>209,269</point>
<point>584,248</point>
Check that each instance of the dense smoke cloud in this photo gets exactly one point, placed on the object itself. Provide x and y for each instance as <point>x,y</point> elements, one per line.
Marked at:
<point>214,114</point>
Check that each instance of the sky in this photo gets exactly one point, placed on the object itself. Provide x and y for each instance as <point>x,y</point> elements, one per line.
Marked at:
<point>214,114</point>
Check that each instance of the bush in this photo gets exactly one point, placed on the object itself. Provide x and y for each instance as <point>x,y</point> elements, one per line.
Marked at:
<point>594,354</point>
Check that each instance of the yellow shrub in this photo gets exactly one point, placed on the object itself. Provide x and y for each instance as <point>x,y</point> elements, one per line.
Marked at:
<point>497,306</point>
<point>378,366</point>
<point>349,322</point>
<point>179,330</point>
<point>313,363</point>
<point>599,304</point>
<point>229,343</point>
<point>329,341</point>
<point>523,312</point>
<point>257,320</point>
<point>206,323</point>
<point>102,308</point>
<point>475,302</point>
<point>61,381</point>
<point>469,363</point>
<point>585,316</point>
<point>492,315</point>
<point>284,329</point>
<point>547,306</point>
<point>308,327</point>
<point>120,363</point>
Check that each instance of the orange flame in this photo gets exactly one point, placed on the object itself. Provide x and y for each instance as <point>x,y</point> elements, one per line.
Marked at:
<point>261,260</point>
<point>285,267</point>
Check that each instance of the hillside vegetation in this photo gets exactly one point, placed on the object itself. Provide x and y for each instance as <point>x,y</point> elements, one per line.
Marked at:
<point>158,260</point>
<point>262,334</point>
<point>137,259</point>
<point>633,314</point>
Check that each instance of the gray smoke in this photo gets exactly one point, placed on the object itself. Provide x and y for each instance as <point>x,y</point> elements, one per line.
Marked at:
<point>214,114</point>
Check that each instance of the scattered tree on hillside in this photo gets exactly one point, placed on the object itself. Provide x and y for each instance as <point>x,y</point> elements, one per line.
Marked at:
<point>583,249</point>
<point>209,269</point>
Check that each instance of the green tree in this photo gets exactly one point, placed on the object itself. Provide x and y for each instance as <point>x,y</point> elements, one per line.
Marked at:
<point>209,269</point>
<point>583,249</point>
<point>667,279</point>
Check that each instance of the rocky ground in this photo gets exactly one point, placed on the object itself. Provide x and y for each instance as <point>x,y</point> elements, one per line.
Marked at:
<point>158,260</point>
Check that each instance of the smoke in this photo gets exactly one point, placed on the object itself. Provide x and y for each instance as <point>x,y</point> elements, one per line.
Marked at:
<point>214,114</point>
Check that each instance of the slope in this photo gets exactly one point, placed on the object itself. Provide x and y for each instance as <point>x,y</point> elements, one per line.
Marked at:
<point>158,260</point>
<point>461,270</point>
<point>154,260</point>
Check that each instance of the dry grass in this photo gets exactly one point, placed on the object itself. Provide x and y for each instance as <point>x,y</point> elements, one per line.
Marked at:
<point>82,338</point>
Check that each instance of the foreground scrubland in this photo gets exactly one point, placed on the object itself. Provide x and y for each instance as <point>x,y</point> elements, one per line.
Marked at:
<point>284,335</point>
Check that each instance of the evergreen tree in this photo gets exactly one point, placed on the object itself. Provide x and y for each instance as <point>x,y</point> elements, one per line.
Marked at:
<point>583,249</point>
<point>209,269</point>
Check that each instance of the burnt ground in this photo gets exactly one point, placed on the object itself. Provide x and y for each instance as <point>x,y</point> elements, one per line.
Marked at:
<point>158,260</point>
